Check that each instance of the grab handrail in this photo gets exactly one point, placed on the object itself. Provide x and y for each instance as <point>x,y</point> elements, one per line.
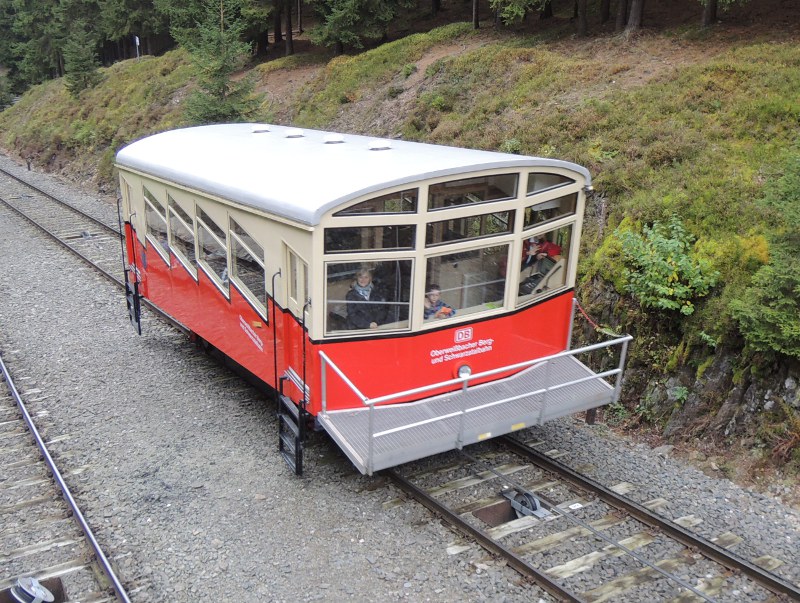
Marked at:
<point>461,413</point>
<point>367,401</point>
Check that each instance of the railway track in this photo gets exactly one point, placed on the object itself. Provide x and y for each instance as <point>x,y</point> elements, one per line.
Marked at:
<point>92,238</point>
<point>45,542</point>
<point>89,237</point>
<point>48,539</point>
<point>581,541</point>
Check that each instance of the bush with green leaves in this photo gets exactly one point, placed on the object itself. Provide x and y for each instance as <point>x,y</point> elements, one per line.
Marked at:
<point>768,312</point>
<point>661,271</point>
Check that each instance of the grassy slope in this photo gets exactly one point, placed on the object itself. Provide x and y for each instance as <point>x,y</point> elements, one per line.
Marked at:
<point>686,121</point>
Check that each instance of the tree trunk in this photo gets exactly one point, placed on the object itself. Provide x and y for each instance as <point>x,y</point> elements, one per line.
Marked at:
<point>475,23</point>
<point>338,48</point>
<point>262,43</point>
<point>635,18</point>
<point>622,15</point>
<point>583,20</point>
<point>547,10</point>
<point>605,11</point>
<point>289,40</point>
<point>435,6</point>
<point>277,18</point>
<point>709,13</point>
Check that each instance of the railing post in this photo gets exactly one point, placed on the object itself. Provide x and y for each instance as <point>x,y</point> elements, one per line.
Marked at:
<point>460,439</point>
<point>571,322</point>
<point>324,383</point>
<point>546,389</point>
<point>618,383</point>
<point>370,443</point>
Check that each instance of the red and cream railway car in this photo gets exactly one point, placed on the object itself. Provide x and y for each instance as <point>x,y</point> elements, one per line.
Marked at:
<point>413,298</point>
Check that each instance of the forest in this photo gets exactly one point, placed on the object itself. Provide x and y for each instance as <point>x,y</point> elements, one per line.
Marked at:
<point>686,113</point>
<point>44,39</point>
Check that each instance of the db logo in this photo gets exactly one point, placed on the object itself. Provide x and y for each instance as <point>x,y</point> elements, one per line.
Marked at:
<point>463,335</point>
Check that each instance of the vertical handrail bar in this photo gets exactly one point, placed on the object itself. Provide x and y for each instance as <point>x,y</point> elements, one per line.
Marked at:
<point>463,413</point>
<point>324,383</point>
<point>618,382</point>
<point>547,386</point>
<point>571,323</point>
<point>371,442</point>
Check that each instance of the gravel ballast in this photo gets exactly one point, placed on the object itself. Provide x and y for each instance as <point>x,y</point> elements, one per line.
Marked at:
<point>181,479</point>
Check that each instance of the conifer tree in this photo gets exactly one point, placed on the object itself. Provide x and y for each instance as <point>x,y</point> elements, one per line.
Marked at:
<point>217,53</point>
<point>353,22</point>
<point>80,61</point>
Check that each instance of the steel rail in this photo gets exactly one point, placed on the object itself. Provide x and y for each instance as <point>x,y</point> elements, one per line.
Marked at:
<point>774,583</point>
<point>553,508</point>
<point>59,479</point>
<point>163,315</point>
<point>514,560</point>
<point>55,237</point>
<point>61,202</point>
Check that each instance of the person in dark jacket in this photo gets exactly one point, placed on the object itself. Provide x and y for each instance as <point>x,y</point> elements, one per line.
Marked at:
<point>366,306</point>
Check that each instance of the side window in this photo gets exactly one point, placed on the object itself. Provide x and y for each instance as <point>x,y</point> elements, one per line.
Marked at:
<point>372,295</point>
<point>550,210</point>
<point>472,190</point>
<point>368,238</point>
<point>469,227</point>
<point>212,248</point>
<point>466,282</point>
<point>401,202</point>
<point>181,235</point>
<point>298,283</point>
<point>156,221</point>
<point>538,182</point>
<point>545,259</point>
<point>247,267</point>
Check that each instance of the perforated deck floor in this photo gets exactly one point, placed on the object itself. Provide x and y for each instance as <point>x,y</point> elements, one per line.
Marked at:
<point>513,403</point>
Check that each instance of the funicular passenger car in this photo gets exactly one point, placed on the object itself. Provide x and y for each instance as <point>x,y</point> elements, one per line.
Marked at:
<point>413,298</point>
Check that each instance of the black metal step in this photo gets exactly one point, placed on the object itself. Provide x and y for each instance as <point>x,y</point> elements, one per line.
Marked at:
<point>287,404</point>
<point>288,443</point>
<point>287,422</point>
<point>290,434</point>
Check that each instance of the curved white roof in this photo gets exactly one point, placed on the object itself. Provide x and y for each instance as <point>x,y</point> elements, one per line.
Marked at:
<point>301,174</point>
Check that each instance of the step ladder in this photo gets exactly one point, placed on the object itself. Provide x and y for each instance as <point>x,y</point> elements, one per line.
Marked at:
<point>291,433</point>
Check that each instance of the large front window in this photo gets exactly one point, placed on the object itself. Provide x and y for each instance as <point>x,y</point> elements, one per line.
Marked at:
<point>467,282</point>
<point>367,295</point>
<point>545,259</point>
<point>485,244</point>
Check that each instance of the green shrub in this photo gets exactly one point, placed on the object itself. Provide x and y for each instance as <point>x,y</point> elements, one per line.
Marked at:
<point>660,269</point>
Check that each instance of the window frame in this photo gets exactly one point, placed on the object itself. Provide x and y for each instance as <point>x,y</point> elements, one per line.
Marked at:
<point>149,209</point>
<point>358,259</point>
<point>260,306</point>
<point>188,263</point>
<point>222,285</point>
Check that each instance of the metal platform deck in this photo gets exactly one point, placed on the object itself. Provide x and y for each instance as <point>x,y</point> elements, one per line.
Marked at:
<point>398,433</point>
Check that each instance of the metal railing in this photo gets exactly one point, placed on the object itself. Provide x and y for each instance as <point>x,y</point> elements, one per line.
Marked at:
<point>327,363</point>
